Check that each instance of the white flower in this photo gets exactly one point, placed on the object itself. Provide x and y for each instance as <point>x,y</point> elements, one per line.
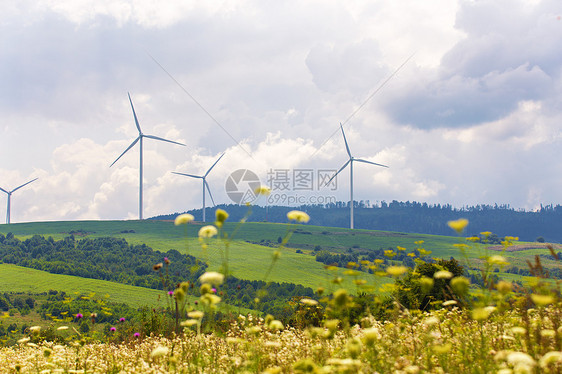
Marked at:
<point>159,351</point>
<point>520,359</point>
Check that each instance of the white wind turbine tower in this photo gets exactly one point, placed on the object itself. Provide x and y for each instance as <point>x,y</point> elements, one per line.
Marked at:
<point>205,184</point>
<point>9,193</point>
<point>350,162</point>
<point>139,140</point>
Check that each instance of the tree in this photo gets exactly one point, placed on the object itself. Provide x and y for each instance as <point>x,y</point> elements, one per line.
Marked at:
<point>419,288</point>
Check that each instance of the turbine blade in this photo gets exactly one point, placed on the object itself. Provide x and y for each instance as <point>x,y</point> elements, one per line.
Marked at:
<point>129,147</point>
<point>345,140</point>
<point>343,167</point>
<point>162,139</point>
<point>187,175</point>
<point>134,114</point>
<point>25,184</point>
<point>209,190</point>
<point>216,162</point>
<point>369,162</point>
<point>1,189</point>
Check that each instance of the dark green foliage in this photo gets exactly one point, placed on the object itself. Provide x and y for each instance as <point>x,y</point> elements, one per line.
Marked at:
<point>110,259</point>
<point>411,293</point>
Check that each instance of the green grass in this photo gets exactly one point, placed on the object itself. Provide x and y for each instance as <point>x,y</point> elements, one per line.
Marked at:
<point>250,261</point>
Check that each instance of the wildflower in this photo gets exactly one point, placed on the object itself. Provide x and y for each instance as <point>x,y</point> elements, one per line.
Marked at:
<point>396,271</point>
<point>309,302</point>
<point>497,260</point>
<point>170,293</point>
<point>167,261</point>
<point>481,314</point>
<point>62,328</point>
<point>212,277</point>
<point>426,284</point>
<point>371,335</point>
<point>159,351</point>
<point>449,302</point>
<point>182,219</point>
<point>548,333</point>
<point>518,359</point>
<point>460,285</point>
<point>552,357</point>
<point>122,319</point>
<point>431,321</point>
<point>195,314</point>
<point>112,329</point>
<point>136,335</point>
<point>458,225</point>
<point>207,232</point>
<point>504,287</point>
<point>353,347</point>
<point>157,267</point>
<point>443,274</point>
<point>35,329</point>
<point>79,315</point>
<point>262,190</point>
<point>23,340</point>
<point>542,300</point>
<point>276,325</point>
<point>442,348</point>
<point>221,216</point>
<point>189,322</point>
<point>297,215</point>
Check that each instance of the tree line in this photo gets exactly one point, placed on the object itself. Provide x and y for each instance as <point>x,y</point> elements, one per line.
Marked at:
<point>414,217</point>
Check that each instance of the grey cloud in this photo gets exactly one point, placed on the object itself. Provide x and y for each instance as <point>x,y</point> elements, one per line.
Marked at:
<point>510,54</point>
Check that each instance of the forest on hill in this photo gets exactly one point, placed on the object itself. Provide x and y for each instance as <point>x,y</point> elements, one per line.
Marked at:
<point>413,217</point>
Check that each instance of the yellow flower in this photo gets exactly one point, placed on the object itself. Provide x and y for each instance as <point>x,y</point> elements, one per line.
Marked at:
<point>497,260</point>
<point>221,216</point>
<point>309,302</point>
<point>212,277</point>
<point>458,225</point>
<point>396,271</point>
<point>195,314</point>
<point>443,274</point>
<point>183,219</point>
<point>262,190</point>
<point>208,231</point>
<point>297,215</point>
<point>542,300</point>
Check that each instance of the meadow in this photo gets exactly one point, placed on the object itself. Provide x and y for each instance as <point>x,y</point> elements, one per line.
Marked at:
<point>505,323</point>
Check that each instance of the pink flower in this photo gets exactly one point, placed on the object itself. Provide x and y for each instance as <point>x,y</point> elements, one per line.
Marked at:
<point>214,290</point>
<point>79,315</point>
<point>122,319</point>
<point>171,293</point>
<point>112,329</point>
<point>136,334</point>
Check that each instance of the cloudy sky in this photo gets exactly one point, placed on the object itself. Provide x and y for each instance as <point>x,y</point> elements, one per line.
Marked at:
<point>461,99</point>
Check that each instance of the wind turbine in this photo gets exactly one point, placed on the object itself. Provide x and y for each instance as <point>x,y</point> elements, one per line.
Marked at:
<point>350,163</point>
<point>205,184</point>
<point>9,193</point>
<point>139,140</point>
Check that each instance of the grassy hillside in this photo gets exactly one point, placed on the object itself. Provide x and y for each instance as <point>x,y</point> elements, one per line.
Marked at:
<point>251,250</point>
